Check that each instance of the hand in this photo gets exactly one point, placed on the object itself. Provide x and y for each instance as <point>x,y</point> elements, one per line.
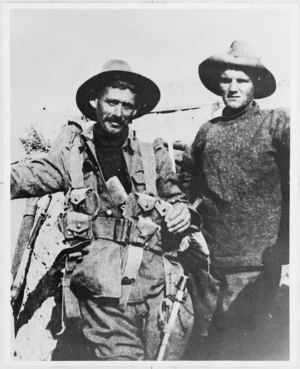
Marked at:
<point>178,218</point>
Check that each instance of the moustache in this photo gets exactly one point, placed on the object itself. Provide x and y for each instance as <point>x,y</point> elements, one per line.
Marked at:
<point>114,118</point>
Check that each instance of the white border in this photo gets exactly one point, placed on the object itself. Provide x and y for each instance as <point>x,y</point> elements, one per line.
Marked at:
<point>292,7</point>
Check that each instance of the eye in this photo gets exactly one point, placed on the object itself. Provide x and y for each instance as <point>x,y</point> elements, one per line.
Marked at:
<point>225,80</point>
<point>128,107</point>
<point>243,80</point>
<point>111,102</point>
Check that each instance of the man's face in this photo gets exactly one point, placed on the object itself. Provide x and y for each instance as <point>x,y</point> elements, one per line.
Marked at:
<point>237,89</point>
<point>115,109</point>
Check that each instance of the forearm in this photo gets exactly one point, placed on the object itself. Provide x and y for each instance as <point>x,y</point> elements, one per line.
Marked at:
<point>36,178</point>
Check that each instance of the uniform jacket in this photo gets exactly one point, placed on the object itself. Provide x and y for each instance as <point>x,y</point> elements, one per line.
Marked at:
<point>241,173</point>
<point>100,272</point>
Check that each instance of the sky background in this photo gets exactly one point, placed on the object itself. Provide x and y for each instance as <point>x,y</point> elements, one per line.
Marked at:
<point>53,51</point>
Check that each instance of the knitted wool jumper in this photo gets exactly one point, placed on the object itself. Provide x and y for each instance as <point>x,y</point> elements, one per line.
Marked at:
<point>241,166</point>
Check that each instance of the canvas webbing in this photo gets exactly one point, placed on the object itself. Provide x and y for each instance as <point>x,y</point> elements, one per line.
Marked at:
<point>132,266</point>
<point>149,165</point>
<point>135,254</point>
<point>76,165</point>
<point>70,301</point>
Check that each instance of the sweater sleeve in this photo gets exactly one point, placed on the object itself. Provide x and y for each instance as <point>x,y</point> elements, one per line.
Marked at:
<point>280,128</point>
<point>280,132</point>
<point>198,145</point>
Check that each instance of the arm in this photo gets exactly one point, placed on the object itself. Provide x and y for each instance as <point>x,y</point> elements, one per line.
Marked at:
<point>181,215</point>
<point>41,176</point>
<point>280,131</point>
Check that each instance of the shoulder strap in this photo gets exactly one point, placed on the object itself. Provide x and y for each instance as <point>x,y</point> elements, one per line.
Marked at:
<point>149,165</point>
<point>76,164</point>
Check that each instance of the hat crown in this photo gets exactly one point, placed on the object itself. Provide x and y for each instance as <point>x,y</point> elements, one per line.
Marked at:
<point>116,64</point>
<point>240,49</point>
<point>239,56</point>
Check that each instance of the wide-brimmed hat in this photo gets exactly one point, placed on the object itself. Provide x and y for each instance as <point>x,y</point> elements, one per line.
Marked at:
<point>240,56</point>
<point>113,70</point>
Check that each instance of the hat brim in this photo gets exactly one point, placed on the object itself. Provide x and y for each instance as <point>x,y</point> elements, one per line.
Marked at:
<point>148,92</point>
<point>211,69</point>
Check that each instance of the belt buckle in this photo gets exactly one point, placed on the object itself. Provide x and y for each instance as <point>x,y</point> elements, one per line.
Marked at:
<point>122,230</point>
<point>128,231</point>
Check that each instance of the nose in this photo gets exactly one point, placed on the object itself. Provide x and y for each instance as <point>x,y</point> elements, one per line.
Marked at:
<point>233,85</point>
<point>118,110</point>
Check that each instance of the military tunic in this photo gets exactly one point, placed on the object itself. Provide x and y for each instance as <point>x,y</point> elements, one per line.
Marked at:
<point>109,332</point>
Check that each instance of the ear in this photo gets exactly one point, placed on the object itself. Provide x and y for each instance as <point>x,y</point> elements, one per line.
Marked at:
<point>94,103</point>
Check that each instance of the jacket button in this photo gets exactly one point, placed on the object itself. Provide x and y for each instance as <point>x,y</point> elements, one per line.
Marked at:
<point>78,226</point>
<point>109,212</point>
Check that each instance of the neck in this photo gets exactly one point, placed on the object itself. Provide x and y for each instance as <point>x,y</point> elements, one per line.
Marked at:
<point>227,112</point>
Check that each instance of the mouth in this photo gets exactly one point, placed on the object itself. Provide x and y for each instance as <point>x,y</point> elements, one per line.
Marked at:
<point>115,124</point>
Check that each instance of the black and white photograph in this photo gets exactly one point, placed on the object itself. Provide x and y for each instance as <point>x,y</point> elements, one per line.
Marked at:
<point>150,186</point>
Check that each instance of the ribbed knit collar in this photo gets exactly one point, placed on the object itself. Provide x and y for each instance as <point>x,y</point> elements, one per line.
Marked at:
<point>130,143</point>
<point>251,109</point>
<point>107,141</point>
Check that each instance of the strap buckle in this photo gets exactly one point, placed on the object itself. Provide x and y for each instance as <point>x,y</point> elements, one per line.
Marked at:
<point>122,230</point>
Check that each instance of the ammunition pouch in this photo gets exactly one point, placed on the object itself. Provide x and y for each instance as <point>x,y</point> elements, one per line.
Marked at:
<point>142,231</point>
<point>81,207</point>
<point>76,226</point>
<point>147,206</point>
<point>84,200</point>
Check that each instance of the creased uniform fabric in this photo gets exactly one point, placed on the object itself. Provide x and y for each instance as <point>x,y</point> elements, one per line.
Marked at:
<point>241,169</point>
<point>109,332</point>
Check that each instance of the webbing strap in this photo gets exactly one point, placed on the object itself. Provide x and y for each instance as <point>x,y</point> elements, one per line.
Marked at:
<point>70,301</point>
<point>135,254</point>
<point>149,165</point>
<point>76,165</point>
<point>132,266</point>
<point>112,229</point>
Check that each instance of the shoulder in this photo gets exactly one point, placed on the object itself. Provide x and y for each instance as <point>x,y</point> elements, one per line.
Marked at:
<point>278,119</point>
<point>67,135</point>
<point>278,113</point>
<point>201,135</point>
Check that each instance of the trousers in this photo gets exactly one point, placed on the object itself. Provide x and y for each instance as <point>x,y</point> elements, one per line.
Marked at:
<point>250,322</point>
<point>106,332</point>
